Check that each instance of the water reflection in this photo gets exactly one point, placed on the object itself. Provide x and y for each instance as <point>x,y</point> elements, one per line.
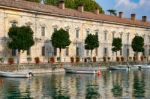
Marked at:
<point>92,92</point>
<point>60,94</point>
<point>110,85</point>
<point>139,85</point>
<point>117,90</point>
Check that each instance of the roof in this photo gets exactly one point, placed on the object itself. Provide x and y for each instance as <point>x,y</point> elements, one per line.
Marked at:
<point>54,10</point>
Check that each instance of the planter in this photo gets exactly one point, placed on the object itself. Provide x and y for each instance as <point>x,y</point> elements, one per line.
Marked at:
<point>142,58</point>
<point>72,59</point>
<point>85,59</point>
<point>104,59</point>
<point>11,60</point>
<point>37,60</point>
<point>117,59</point>
<point>108,58</point>
<point>77,59</point>
<point>122,59</point>
<point>94,59</point>
<point>52,60</point>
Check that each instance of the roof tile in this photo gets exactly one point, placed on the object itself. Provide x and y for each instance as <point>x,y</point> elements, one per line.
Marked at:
<point>49,9</point>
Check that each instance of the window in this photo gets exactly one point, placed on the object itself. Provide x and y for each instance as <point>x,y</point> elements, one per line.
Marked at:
<point>105,36</point>
<point>143,36</point>
<point>43,51</point>
<point>87,32</point>
<point>67,51</point>
<point>128,52</point>
<point>121,35</point>
<point>113,35</point>
<point>43,31</point>
<point>96,51</point>
<point>29,51</point>
<point>96,33</point>
<point>55,51</point>
<point>77,33</point>
<point>14,52</point>
<point>149,38</point>
<point>87,52</point>
<point>77,51</point>
<point>105,51</point>
<point>67,30</point>
<point>128,37</point>
<point>14,24</point>
<point>55,29</point>
<point>144,52</point>
<point>120,52</point>
<point>112,53</point>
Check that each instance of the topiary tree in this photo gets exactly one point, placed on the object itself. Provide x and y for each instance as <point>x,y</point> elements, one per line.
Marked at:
<point>60,39</point>
<point>21,38</point>
<point>91,42</point>
<point>116,44</point>
<point>138,44</point>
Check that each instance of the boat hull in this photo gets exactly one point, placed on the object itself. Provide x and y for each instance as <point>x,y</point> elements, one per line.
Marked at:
<point>16,74</point>
<point>81,71</point>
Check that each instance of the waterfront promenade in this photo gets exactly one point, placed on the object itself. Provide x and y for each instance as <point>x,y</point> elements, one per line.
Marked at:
<point>59,67</point>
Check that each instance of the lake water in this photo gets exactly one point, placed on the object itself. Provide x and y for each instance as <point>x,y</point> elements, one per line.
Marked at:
<point>110,85</point>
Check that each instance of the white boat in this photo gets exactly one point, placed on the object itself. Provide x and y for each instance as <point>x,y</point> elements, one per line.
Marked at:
<point>16,74</point>
<point>119,67</point>
<point>83,70</point>
<point>144,66</point>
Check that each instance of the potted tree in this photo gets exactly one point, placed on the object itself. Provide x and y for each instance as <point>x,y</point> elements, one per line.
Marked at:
<point>37,60</point>
<point>11,60</point>
<point>60,39</point>
<point>108,58</point>
<point>116,44</point>
<point>72,59</point>
<point>94,59</point>
<point>137,45</point>
<point>77,59</point>
<point>142,58</point>
<point>52,60</point>
<point>122,59</point>
<point>21,39</point>
<point>91,42</point>
<point>104,59</point>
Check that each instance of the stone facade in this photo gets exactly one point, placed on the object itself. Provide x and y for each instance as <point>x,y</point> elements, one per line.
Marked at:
<point>44,25</point>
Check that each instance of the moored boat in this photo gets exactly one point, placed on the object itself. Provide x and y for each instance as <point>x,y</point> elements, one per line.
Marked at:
<point>142,66</point>
<point>16,74</point>
<point>83,70</point>
<point>119,67</point>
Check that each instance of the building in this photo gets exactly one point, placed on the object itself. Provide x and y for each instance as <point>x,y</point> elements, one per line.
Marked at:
<point>45,19</point>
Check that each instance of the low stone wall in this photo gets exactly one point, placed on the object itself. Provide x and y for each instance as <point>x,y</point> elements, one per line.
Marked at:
<point>35,68</point>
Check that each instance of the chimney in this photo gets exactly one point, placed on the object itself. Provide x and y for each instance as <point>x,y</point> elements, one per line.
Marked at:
<point>144,18</point>
<point>96,11</point>
<point>133,17</point>
<point>61,4</point>
<point>120,14</point>
<point>81,8</point>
